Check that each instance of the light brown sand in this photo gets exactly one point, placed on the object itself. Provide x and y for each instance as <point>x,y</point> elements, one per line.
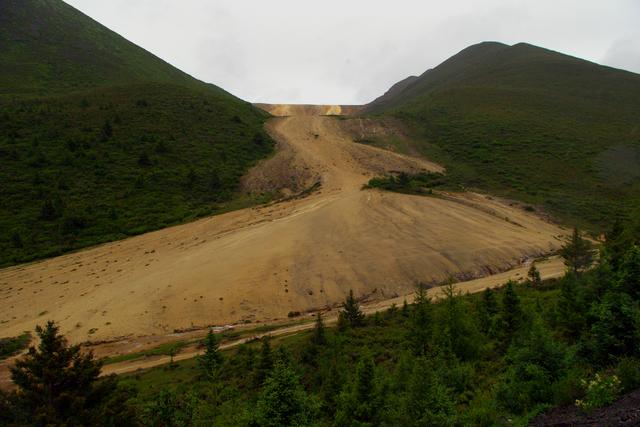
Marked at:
<point>552,268</point>
<point>259,264</point>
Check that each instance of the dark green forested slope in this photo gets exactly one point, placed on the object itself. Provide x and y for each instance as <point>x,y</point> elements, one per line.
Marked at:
<point>99,139</point>
<point>529,123</point>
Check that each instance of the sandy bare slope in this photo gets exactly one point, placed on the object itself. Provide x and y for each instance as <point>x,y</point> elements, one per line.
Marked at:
<point>297,255</point>
<point>552,268</point>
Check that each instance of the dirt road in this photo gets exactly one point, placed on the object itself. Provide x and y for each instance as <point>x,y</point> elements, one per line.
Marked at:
<point>259,264</point>
<point>552,268</point>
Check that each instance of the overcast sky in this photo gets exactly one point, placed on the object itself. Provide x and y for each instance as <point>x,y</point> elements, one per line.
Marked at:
<point>351,51</point>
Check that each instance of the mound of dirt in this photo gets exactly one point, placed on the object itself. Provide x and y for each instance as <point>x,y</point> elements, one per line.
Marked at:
<point>286,110</point>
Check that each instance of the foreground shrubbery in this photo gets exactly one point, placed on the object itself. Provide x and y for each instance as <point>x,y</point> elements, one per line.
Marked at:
<point>506,354</point>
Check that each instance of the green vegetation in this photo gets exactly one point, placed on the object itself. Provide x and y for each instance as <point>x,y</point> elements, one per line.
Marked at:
<point>13,345</point>
<point>58,385</point>
<point>496,358</point>
<point>578,255</point>
<point>70,183</point>
<point>49,47</point>
<point>211,360</point>
<point>422,183</point>
<point>100,140</point>
<point>166,349</point>
<point>532,124</point>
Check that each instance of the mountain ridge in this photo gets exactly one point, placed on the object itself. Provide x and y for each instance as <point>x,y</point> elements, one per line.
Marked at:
<point>529,123</point>
<point>59,44</point>
<point>100,139</point>
<point>460,68</point>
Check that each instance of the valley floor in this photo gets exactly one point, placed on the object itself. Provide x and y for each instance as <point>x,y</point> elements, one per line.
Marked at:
<point>301,254</point>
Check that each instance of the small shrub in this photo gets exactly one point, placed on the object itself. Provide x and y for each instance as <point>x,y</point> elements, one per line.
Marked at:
<point>107,131</point>
<point>13,345</point>
<point>628,371</point>
<point>144,160</point>
<point>72,225</point>
<point>601,391</point>
<point>49,211</point>
<point>16,239</point>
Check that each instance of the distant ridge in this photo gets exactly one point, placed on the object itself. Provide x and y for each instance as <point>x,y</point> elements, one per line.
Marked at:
<point>522,65</point>
<point>530,123</point>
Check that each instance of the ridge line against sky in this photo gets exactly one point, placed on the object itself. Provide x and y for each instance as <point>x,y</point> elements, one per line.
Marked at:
<point>339,52</point>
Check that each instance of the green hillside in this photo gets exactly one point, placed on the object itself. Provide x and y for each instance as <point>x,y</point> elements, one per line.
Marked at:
<point>46,46</point>
<point>532,124</point>
<point>99,139</point>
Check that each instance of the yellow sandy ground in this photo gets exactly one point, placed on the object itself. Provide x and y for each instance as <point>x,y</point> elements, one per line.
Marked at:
<point>259,264</point>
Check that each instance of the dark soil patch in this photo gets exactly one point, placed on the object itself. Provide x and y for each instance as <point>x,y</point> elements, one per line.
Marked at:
<point>624,412</point>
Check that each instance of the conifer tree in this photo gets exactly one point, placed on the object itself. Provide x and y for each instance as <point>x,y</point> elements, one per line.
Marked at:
<point>163,410</point>
<point>404,180</point>
<point>420,322</point>
<point>57,384</point>
<point>283,401</point>
<point>359,404</point>
<point>107,131</point>
<point>6,417</point>
<point>265,361</point>
<point>511,312</point>
<point>428,401</point>
<point>629,274</point>
<point>616,331</point>
<point>577,253</point>
<point>615,245</point>
<point>488,308</point>
<point>457,331</point>
<point>405,308</point>
<point>534,275</point>
<point>211,360</point>
<point>490,304</point>
<point>569,308</point>
<point>332,374</point>
<point>351,315</point>
<point>318,337</point>
<point>534,364</point>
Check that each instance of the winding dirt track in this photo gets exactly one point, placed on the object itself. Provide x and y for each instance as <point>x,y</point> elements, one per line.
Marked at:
<point>298,255</point>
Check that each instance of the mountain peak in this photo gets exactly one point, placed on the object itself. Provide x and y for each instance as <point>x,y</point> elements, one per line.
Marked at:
<point>520,66</point>
<point>47,46</point>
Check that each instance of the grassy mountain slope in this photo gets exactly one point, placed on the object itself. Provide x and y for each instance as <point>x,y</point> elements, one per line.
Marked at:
<point>47,46</point>
<point>100,139</point>
<point>532,124</point>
